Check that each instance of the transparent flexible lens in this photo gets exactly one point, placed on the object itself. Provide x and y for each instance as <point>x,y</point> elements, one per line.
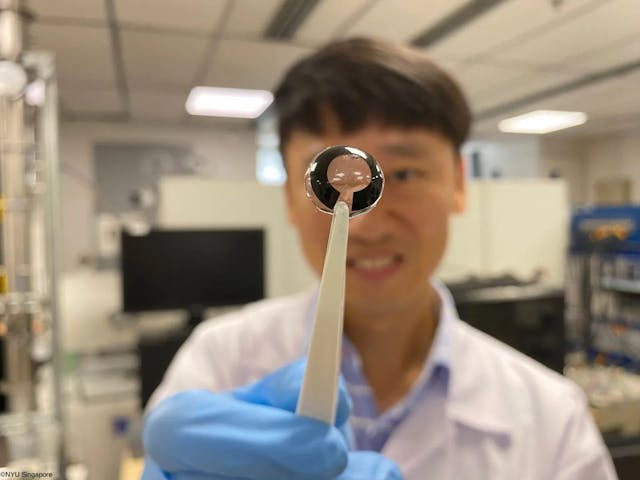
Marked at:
<point>346,172</point>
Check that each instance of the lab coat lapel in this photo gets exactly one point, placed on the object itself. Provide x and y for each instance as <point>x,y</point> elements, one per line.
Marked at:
<point>420,443</point>
<point>483,434</point>
<point>476,396</point>
<point>474,429</point>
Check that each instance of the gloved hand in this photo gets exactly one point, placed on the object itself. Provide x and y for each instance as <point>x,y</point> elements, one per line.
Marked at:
<point>252,434</point>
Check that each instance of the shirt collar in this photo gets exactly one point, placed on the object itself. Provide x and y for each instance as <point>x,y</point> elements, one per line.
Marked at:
<point>474,398</point>
<point>438,359</point>
<point>440,352</point>
<point>433,378</point>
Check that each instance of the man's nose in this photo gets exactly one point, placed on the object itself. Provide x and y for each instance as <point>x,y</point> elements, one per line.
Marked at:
<point>374,225</point>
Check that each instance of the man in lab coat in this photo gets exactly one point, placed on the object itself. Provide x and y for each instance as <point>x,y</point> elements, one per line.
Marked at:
<point>425,396</point>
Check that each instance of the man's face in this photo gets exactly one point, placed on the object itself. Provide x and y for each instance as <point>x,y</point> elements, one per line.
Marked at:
<point>395,248</point>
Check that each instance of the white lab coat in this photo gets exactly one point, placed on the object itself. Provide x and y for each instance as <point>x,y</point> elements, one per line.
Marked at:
<point>505,417</point>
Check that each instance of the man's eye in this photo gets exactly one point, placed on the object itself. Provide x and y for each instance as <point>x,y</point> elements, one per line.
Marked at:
<point>405,175</point>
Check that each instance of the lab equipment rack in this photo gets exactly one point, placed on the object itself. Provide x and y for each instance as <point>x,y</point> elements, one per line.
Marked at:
<point>602,304</point>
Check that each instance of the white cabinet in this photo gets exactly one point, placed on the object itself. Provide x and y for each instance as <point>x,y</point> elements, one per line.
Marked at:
<point>510,226</point>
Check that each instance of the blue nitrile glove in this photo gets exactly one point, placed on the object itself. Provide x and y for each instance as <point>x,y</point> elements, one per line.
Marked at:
<point>252,434</point>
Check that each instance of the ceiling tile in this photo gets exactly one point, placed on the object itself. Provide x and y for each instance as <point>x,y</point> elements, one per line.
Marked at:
<point>85,9</point>
<point>415,16</point>
<point>515,49</point>
<point>606,108</point>
<point>616,53</point>
<point>245,64</point>
<point>517,88</point>
<point>250,17</point>
<point>603,98</point>
<point>599,126</point>
<point>83,54</point>
<point>480,77</point>
<point>161,60</point>
<point>505,23</point>
<point>192,15</point>
<point>150,105</point>
<point>578,36</point>
<point>328,16</point>
<point>90,101</point>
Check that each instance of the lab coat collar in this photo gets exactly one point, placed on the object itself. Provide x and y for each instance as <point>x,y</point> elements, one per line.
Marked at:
<point>474,395</point>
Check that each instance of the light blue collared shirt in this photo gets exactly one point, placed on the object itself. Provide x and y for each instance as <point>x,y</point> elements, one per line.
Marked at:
<point>371,429</point>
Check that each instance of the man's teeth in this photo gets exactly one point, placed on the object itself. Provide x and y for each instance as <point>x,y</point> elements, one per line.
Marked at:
<point>373,262</point>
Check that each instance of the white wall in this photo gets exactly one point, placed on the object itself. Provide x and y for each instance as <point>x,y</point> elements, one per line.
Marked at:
<point>582,162</point>
<point>613,156</point>
<point>568,159</point>
<point>511,157</point>
<point>233,151</point>
<point>532,156</point>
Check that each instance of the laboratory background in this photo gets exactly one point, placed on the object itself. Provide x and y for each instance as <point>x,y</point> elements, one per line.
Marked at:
<point>114,150</point>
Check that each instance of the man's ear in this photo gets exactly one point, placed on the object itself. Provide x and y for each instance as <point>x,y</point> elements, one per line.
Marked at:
<point>460,179</point>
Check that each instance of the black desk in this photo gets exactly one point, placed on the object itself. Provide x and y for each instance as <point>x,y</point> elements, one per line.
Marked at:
<point>529,318</point>
<point>155,355</point>
<point>625,452</point>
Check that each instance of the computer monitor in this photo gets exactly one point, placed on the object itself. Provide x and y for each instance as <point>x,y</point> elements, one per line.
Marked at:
<point>191,269</point>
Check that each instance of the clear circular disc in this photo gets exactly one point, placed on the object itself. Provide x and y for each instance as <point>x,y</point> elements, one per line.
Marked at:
<point>344,171</point>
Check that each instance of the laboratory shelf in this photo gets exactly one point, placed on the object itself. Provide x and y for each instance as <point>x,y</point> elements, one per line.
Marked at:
<point>621,285</point>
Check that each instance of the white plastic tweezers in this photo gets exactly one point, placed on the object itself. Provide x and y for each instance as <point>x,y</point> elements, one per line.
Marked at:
<point>319,395</point>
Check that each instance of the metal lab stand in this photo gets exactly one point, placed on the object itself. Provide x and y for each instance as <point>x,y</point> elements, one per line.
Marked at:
<point>30,425</point>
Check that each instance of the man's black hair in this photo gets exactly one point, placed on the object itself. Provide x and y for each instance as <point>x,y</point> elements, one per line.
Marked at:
<point>364,80</point>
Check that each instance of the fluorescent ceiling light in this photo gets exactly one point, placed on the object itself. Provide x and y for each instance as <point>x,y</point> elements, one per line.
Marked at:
<point>542,121</point>
<point>227,102</point>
